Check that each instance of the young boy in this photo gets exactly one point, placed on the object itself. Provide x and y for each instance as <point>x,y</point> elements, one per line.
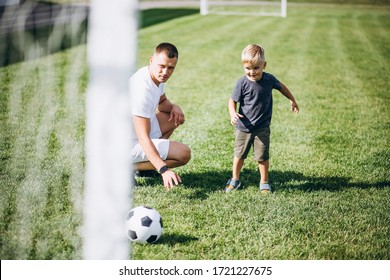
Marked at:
<point>254,94</point>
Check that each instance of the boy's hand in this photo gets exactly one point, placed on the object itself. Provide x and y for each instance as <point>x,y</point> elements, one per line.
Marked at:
<point>294,107</point>
<point>234,118</point>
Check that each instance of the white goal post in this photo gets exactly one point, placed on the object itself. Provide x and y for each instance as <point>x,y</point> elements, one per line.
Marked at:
<point>244,7</point>
<point>112,49</point>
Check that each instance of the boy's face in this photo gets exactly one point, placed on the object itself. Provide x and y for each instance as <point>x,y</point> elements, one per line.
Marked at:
<point>254,71</point>
<point>161,67</point>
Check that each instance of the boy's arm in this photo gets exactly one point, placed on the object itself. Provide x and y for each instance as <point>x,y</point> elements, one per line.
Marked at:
<point>287,93</point>
<point>234,116</point>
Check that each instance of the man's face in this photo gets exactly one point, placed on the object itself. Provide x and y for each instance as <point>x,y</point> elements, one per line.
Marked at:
<point>161,67</point>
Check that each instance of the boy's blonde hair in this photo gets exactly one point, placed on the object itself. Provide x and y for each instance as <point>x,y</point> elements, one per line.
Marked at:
<point>253,54</point>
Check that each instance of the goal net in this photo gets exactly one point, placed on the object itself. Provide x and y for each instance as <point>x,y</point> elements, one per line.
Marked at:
<point>75,196</point>
<point>244,7</point>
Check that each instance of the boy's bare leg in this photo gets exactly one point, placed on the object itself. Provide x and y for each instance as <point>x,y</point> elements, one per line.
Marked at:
<point>237,166</point>
<point>263,168</point>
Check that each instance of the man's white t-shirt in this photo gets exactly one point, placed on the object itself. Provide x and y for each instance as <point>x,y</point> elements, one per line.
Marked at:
<point>144,99</point>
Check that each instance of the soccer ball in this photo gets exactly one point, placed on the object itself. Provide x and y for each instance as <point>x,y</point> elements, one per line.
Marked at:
<point>144,225</point>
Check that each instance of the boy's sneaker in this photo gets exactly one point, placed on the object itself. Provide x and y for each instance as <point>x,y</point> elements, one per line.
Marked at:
<point>265,188</point>
<point>232,185</point>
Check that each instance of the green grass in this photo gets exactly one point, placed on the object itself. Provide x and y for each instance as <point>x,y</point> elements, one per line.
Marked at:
<point>330,167</point>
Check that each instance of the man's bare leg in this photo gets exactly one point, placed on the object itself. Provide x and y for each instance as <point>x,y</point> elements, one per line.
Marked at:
<point>179,154</point>
<point>166,127</point>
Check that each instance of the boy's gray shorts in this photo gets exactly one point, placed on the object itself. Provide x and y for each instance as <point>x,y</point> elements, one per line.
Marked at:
<point>258,139</point>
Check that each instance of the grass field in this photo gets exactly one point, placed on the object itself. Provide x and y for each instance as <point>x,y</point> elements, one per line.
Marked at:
<point>330,164</point>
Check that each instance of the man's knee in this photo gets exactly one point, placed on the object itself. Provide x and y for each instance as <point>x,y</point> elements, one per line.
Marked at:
<point>186,154</point>
<point>179,152</point>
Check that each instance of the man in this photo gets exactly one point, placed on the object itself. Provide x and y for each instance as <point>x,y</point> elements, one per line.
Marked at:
<point>155,118</point>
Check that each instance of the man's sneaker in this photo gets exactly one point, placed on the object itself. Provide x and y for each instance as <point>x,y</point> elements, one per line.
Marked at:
<point>265,188</point>
<point>146,174</point>
<point>232,185</point>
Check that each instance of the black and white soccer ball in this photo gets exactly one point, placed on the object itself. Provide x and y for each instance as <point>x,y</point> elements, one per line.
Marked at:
<point>144,225</point>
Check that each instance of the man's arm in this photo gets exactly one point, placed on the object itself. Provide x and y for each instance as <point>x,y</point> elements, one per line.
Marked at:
<point>165,105</point>
<point>173,110</point>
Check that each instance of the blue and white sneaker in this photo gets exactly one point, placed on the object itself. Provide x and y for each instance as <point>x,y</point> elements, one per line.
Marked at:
<point>265,188</point>
<point>232,185</point>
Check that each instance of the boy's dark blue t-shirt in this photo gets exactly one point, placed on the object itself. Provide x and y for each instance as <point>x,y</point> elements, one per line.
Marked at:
<point>255,98</point>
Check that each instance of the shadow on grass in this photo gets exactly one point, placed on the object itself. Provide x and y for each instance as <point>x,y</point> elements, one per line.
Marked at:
<point>158,15</point>
<point>204,183</point>
<point>172,239</point>
<point>288,180</point>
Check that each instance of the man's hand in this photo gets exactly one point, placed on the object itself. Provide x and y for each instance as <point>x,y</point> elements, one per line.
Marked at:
<point>177,115</point>
<point>170,179</point>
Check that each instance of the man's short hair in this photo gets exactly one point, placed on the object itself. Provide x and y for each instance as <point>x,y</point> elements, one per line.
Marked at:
<point>169,49</point>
